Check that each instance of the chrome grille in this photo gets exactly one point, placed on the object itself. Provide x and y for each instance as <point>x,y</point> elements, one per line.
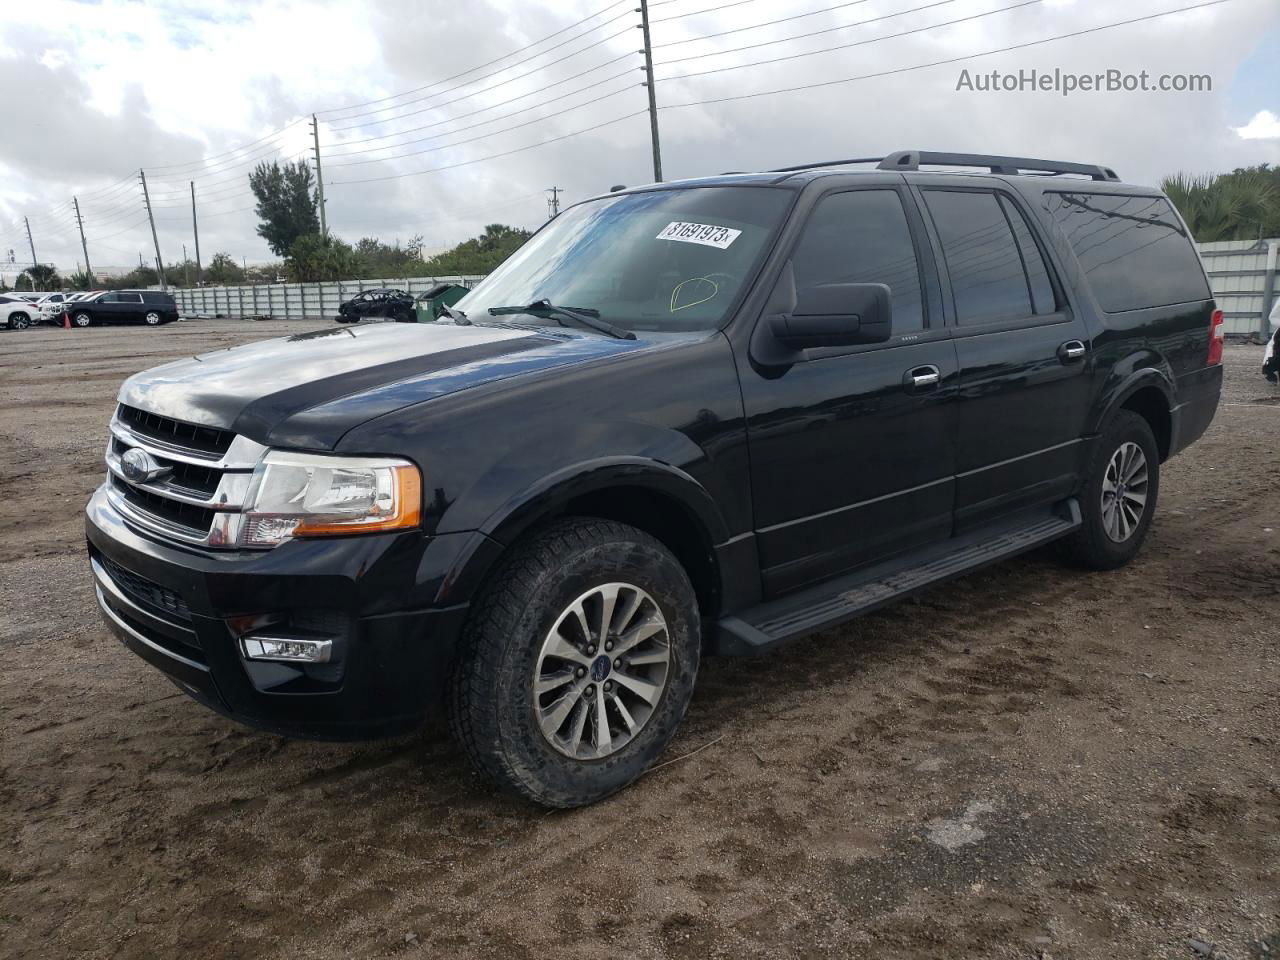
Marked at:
<point>201,497</point>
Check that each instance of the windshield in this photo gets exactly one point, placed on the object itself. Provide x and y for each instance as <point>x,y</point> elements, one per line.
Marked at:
<point>665,260</point>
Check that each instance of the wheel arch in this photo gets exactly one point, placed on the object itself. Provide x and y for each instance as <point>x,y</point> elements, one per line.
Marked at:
<point>1148,392</point>
<point>660,499</point>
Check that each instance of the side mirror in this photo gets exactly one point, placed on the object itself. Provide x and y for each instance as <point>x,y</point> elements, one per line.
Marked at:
<point>836,315</point>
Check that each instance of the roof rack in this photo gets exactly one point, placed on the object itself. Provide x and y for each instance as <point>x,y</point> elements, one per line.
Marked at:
<point>912,159</point>
<point>825,163</point>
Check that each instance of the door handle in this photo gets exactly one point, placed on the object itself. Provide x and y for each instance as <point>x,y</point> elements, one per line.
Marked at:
<point>1071,351</point>
<point>922,378</point>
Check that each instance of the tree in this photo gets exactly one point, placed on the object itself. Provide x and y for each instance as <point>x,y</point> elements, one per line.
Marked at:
<point>480,254</point>
<point>313,257</point>
<point>83,280</point>
<point>378,259</point>
<point>1236,206</point>
<point>40,276</point>
<point>223,269</point>
<point>287,204</point>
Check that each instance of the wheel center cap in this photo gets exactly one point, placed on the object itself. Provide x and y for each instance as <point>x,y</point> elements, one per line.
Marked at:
<point>600,667</point>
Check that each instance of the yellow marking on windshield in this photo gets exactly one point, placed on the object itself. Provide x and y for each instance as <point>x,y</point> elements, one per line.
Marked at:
<point>675,293</point>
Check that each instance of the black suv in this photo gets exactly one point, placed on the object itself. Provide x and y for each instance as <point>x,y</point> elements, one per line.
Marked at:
<point>382,303</point>
<point>689,418</point>
<point>152,307</point>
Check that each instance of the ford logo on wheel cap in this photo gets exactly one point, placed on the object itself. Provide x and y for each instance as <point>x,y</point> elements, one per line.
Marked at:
<point>138,466</point>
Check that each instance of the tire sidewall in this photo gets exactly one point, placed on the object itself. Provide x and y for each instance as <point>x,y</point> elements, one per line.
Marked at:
<point>561,779</point>
<point>1125,427</point>
<point>19,321</point>
<point>86,318</point>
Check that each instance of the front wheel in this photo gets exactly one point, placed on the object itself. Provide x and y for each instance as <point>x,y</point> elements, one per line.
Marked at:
<point>577,663</point>
<point>82,319</point>
<point>1119,495</point>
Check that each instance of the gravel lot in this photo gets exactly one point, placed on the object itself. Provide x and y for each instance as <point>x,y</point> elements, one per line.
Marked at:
<point>1030,762</point>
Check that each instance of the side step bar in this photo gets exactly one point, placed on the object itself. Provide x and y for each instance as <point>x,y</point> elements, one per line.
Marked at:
<point>762,628</point>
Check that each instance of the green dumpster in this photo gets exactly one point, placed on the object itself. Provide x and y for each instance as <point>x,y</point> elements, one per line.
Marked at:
<point>430,304</point>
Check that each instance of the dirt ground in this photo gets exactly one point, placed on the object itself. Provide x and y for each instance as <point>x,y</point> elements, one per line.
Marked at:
<point>1031,762</point>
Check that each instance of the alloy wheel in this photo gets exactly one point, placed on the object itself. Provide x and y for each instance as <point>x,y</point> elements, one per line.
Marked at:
<point>82,319</point>
<point>153,319</point>
<point>601,671</point>
<point>1124,492</point>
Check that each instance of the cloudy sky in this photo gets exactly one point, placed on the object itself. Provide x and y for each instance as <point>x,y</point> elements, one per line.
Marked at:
<point>438,117</point>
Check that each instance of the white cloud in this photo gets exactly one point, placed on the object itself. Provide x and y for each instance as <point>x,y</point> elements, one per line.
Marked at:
<point>109,87</point>
<point>1265,125</point>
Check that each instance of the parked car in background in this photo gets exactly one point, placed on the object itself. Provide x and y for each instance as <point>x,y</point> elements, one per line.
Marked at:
<point>17,313</point>
<point>388,304</point>
<point>151,307</point>
<point>52,306</point>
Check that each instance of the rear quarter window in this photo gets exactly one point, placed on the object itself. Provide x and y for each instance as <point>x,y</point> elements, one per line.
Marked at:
<point>161,298</point>
<point>1135,251</point>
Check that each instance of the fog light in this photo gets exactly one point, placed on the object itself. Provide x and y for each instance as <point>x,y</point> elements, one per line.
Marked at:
<point>290,649</point>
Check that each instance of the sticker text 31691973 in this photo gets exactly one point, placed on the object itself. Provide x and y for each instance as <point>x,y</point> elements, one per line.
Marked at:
<point>707,234</point>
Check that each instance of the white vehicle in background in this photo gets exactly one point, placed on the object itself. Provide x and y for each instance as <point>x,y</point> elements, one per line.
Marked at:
<point>1270,360</point>
<point>53,306</point>
<point>16,312</point>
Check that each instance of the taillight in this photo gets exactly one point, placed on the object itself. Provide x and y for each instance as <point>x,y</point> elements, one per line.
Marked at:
<point>1215,338</point>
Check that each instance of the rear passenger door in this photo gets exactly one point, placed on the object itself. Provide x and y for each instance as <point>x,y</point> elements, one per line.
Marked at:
<point>1023,353</point>
<point>128,307</point>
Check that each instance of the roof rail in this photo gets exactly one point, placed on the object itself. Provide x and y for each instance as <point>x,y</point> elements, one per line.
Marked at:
<point>912,159</point>
<point>825,163</point>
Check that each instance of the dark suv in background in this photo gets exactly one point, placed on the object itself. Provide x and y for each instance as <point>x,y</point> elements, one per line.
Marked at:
<point>151,307</point>
<point>382,303</point>
<point>700,417</point>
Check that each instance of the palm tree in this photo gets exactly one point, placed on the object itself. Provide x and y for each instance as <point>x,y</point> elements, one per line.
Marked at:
<point>1222,207</point>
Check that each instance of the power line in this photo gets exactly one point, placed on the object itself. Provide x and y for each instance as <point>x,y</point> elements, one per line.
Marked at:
<point>489,63</point>
<point>855,43</point>
<point>815,33</point>
<point>494,86</point>
<point>940,63</point>
<point>484,136</point>
<point>758,26</point>
<point>694,13</point>
<point>507,153</point>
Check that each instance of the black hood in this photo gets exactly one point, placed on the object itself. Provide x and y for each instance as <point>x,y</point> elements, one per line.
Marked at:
<point>309,389</point>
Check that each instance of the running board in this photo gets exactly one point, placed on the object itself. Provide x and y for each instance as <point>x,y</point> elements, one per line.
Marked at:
<point>762,628</point>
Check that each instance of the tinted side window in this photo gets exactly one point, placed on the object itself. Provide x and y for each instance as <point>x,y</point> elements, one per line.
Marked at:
<point>1042,295</point>
<point>5,300</point>
<point>863,237</point>
<point>164,299</point>
<point>987,276</point>
<point>1134,250</point>
<point>109,298</point>
<point>128,298</point>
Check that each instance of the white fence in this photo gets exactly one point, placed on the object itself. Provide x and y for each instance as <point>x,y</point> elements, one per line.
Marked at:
<point>1243,276</point>
<point>293,301</point>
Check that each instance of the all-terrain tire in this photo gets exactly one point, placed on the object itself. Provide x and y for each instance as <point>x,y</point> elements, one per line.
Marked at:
<point>494,709</point>
<point>1091,546</point>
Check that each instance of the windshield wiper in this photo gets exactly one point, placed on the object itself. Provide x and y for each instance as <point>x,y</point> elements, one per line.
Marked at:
<point>583,315</point>
<point>457,316</point>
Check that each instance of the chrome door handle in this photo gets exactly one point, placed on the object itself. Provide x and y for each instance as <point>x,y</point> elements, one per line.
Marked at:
<point>921,378</point>
<point>1071,350</point>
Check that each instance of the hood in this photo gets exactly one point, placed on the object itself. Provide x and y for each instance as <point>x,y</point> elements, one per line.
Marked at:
<point>307,390</point>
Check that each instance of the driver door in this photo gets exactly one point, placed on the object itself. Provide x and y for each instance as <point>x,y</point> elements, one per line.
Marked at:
<point>852,448</point>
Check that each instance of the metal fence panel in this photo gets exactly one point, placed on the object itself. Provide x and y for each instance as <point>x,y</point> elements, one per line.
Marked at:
<point>295,301</point>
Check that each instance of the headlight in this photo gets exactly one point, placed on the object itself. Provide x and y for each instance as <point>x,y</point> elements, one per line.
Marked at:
<point>301,495</point>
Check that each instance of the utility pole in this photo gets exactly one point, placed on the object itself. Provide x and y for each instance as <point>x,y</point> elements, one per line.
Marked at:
<point>83,246</point>
<point>315,137</point>
<point>195,229</point>
<point>653,100</point>
<point>35,264</point>
<point>553,202</point>
<point>146,198</point>
<point>186,268</point>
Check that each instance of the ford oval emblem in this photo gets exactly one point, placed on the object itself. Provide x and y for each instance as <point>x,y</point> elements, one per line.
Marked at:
<point>138,466</point>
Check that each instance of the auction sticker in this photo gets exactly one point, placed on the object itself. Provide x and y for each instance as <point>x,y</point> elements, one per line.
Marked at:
<point>707,234</point>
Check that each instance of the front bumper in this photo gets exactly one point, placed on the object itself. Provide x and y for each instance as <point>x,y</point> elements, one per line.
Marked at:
<point>183,610</point>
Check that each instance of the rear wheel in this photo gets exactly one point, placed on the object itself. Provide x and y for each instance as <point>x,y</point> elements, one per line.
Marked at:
<point>19,321</point>
<point>153,319</point>
<point>82,319</point>
<point>1119,496</point>
<point>577,663</point>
